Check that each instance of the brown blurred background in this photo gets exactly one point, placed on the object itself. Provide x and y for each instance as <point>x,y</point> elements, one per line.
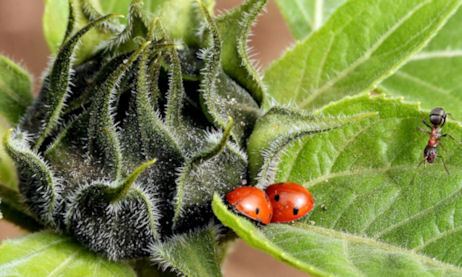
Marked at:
<point>21,40</point>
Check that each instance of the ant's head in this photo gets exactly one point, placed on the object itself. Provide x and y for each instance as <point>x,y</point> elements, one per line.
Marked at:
<point>438,116</point>
<point>430,154</point>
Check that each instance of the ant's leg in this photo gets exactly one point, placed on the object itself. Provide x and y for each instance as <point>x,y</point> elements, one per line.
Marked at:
<point>426,124</point>
<point>445,167</point>
<point>423,130</point>
<point>442,146</point>
<point>451,137</point>
<point>417,168</point>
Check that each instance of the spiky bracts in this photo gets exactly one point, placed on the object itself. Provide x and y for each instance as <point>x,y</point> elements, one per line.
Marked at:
<point>85,149</point>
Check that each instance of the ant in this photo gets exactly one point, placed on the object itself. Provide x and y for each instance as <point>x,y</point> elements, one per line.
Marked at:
<point>437,119</point>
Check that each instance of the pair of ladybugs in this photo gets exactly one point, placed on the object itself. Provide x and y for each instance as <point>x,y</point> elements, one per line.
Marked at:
<point>282,202</point>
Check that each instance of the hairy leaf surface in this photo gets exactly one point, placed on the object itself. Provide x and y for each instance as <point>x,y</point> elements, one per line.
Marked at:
<point>326,252</point>
<point>432,76</point>
<point>306,16</point>
<point>48,254</point>
<point>360,45</point>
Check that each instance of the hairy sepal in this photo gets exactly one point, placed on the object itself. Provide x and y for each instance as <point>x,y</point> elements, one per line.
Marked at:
<point>116,219</point>
<point>37,183</point>
<point>219,167</point>
<point>277,129</point>
<point>222,97</point>
<point>43,116</point>
<point>191,254</point>
<point>234,28</point>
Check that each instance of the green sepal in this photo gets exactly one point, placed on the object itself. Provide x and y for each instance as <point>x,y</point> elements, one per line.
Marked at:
<point>44,114</point>
<point>136,27</point>
<point>219,167</point>
<point>234,28</point>
<point>103,139</point>
<point>192,254</point>
<point>38,186</point>
<point>15,90</point>
<point>127,212</point>
<point>278,128</point>
<point>221,97</point>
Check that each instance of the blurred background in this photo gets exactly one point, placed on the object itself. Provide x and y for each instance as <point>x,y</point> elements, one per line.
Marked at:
<point>21,40</point>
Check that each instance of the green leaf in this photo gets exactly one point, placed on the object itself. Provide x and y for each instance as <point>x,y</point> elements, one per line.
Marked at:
<point>306,16</point>
<point>360,45</point>
<point>234,28</point>
<point>15,90</point>
<point>48,254</point>
<point>192,254</point>
<point>432,76</point>
<point>378,207</point>
<point>280,127</point>
<point>325,252</point>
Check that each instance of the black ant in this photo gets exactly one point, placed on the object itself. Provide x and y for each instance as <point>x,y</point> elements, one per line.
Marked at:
<point>437,119</point>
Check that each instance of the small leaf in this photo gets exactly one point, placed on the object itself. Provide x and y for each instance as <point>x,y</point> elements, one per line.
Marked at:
<point>234,28</point>
<point>192,254</point>
<point>15,90</point>
<point>277,129</point>
<point>221,96</point>
<point>305,17</point>
<point>324,252</point>
<point>37,184</point>
<point>219,167</point>
<point>359,46</point>
<point>48,254</point>
<point>432,76</point>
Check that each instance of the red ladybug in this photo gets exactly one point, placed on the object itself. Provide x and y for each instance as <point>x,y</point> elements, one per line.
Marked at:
<point>251,202</point>
<point>290,201</point>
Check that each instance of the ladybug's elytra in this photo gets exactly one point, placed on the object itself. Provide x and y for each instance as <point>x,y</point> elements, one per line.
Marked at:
<point>251,202</point>
<point>290,201</point>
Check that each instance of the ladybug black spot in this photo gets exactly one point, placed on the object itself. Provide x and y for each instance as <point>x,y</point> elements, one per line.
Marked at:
<point>295,211</point>
<point>257,211</point>
<point>276,197</point>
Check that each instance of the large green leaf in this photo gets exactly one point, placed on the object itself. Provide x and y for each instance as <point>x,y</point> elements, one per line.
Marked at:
<point>325,252</point>
<point>360,45</point>
<point>385,213</point>
<point>193,254</point>
<point>48,254</point>
<point>433,75</point>
<point>15,90</point>
<point>306,16</point>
